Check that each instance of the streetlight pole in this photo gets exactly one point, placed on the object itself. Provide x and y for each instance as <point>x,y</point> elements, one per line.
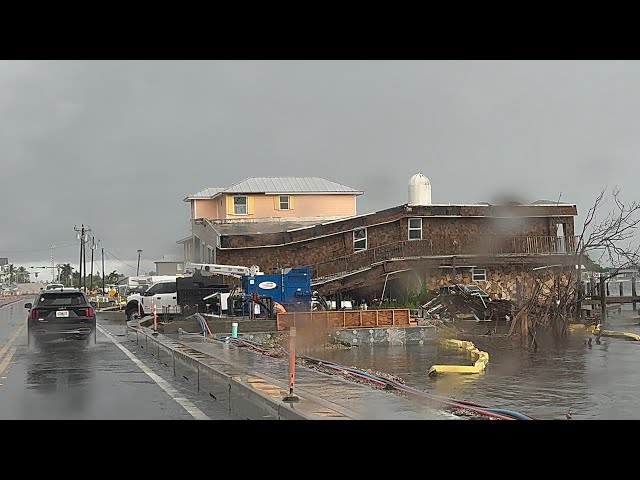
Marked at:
<point>138,269</point>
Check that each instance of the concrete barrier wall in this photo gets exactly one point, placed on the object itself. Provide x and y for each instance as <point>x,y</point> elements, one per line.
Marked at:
<point>414,335</point>
<point>242,400</point>
<point>387,336</point>
<point>116,315</point>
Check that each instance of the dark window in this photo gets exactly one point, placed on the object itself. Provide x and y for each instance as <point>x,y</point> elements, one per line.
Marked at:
<point>479,275</point>
<point>159,288</point>
<point>240,205</point>
<point>52,300</point>
<point>359,239</point>
<point>415,229</point>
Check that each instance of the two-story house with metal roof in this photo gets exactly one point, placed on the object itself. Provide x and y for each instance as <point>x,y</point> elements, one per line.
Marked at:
<point>260,205</point>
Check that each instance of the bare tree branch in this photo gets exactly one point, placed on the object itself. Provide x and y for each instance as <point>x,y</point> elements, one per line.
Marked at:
<point>612,237</point>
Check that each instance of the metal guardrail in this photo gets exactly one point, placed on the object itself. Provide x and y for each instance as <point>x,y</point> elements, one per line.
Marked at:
<point>444,246</point>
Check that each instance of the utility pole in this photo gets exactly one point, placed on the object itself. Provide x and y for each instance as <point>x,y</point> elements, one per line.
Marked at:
<point>80,236</point>
<point>53,275</point>
<point>84,266</point>
<point>83,237</point>
<point>103,292</point>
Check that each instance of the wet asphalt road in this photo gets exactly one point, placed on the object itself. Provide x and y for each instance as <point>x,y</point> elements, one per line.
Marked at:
<point>109,381</point>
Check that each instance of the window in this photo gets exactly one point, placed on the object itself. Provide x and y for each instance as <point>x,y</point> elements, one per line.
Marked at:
<point>240,205</point>
<point>168,287</point>
<point>479,275</point>
<point>165,287</point>
<point>284,202</point>
<point>55,299</point>
<point>359,239</point>
<point>415,229</point>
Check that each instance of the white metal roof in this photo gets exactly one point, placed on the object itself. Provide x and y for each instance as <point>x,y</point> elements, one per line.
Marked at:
<point>280,185</point>
<point>205,193</point>
<point>289,185</point>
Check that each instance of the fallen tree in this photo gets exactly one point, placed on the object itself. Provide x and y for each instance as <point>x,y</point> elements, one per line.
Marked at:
<point>552,305</point>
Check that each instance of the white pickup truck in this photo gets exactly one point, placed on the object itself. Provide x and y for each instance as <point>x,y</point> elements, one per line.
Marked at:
<point>163,291</point>
<point>163,294</point>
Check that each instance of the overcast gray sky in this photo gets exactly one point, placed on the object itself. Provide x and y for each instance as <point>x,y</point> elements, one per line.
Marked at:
<point>117,145</point>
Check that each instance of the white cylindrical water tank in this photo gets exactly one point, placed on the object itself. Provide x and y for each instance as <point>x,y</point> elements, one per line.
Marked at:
<point>419,190</point>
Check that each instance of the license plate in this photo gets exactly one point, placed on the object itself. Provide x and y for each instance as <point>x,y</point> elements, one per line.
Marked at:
<point>62,313</point>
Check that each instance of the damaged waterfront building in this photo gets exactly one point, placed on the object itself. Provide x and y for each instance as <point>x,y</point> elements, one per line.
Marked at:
<point>280,222</point>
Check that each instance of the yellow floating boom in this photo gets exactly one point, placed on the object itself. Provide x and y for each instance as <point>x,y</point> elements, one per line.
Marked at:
<point>477,367</point>
<point>577,326</point>
<point>612,333</point>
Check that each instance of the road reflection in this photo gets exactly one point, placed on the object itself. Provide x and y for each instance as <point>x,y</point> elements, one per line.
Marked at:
<point>63,370</point>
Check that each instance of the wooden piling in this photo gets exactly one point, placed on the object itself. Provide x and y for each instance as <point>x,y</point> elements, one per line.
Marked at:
<point>603,303</point>
<point>633,292</point>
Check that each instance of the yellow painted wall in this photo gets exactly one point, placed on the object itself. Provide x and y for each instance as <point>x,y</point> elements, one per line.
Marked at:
<point>205,208</point>
<point>263,206</point>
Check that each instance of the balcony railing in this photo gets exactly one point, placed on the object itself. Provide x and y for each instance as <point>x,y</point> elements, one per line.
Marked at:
<point>444,246</point>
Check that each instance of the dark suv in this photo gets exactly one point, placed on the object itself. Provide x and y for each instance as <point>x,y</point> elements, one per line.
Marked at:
<point>61,314</point>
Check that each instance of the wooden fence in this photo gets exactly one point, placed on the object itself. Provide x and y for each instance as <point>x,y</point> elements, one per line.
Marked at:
<point>328,319</point>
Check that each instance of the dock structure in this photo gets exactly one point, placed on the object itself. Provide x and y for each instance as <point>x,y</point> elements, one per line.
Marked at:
<point>598,294</point>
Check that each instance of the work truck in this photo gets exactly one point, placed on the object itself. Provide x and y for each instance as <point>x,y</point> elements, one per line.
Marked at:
<point>162,292</point>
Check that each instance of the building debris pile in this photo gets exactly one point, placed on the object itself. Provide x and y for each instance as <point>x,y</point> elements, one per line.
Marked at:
<point>466,302</point>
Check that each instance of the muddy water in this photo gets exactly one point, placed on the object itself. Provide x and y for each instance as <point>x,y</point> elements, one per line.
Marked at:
<point>562,376</point>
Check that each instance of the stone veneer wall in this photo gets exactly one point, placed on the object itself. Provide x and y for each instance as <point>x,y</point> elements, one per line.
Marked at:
<point>501,281</point>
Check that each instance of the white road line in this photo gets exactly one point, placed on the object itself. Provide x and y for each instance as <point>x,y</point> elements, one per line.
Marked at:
<point>194,411</point>
<point>7,359</point>
<point>11,340</point>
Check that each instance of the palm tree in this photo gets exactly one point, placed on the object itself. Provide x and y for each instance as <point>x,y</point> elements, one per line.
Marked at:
<point>113,277</point>
<point>22,274</point>
<point>65,274</point>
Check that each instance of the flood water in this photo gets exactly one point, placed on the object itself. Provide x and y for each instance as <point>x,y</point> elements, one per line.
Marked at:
<point>563,376</point>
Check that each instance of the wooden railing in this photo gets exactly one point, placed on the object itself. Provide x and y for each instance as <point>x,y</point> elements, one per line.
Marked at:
<point>444,246</point>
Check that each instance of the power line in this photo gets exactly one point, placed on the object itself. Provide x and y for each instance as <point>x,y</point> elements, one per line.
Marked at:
<point>39,249</point>
<point>124,263</point>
